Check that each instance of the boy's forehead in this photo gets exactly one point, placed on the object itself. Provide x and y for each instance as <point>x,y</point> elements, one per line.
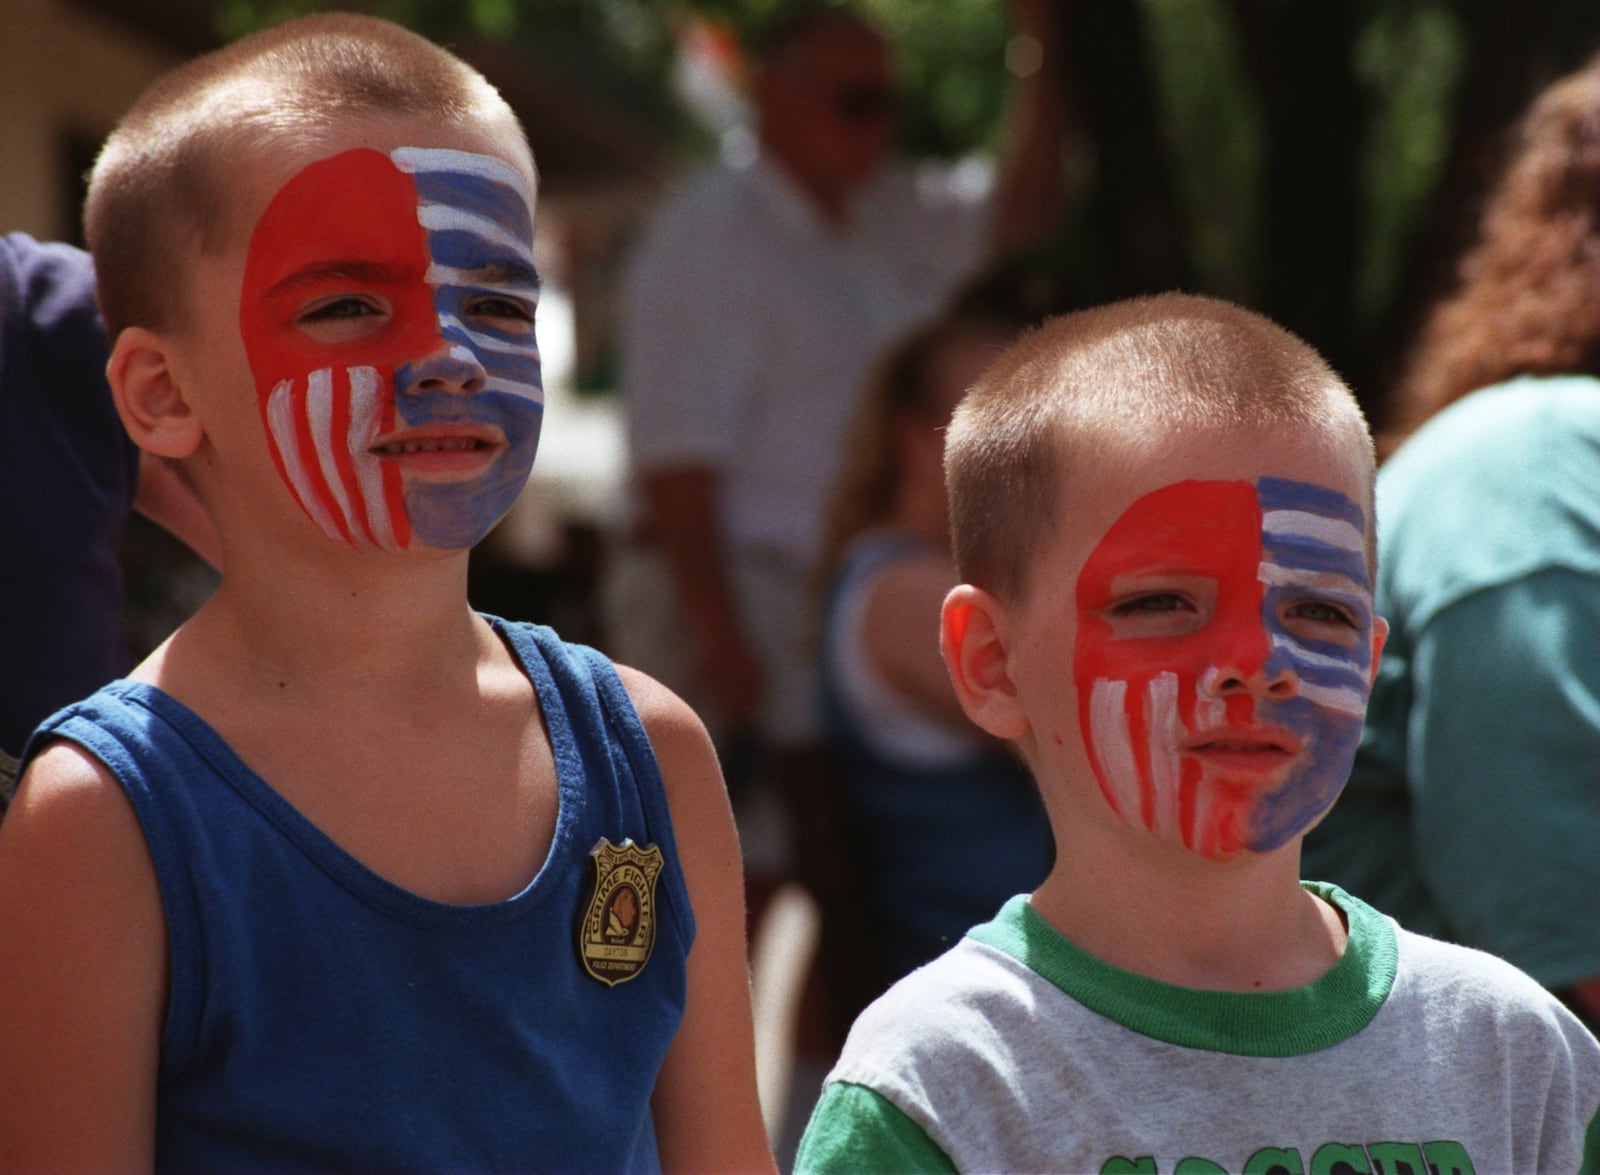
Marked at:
<point>278,165</point>
<point>1101,486</point>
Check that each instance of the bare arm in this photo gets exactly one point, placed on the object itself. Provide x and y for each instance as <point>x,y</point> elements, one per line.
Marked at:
<point>681,509</point>
<point>707,1114</point>
<point>900,633</point>
<point>82,973</point>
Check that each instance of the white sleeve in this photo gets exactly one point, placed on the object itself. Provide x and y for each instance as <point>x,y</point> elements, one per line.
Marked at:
<point>688,343</point>
<point>933,219</point>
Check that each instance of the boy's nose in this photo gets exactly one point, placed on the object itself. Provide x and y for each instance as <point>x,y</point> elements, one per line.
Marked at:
<point>1250,665</point>
<point>1267,680</point>
<point>452,368</point>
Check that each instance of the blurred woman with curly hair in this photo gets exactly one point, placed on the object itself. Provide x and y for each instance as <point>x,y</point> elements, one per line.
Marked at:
<point>1474,809</point>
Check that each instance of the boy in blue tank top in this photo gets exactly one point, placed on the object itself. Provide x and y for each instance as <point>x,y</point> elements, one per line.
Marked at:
<point>1162,515</point>
<point>345,876</point>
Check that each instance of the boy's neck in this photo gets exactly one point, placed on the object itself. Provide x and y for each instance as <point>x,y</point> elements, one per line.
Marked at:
<point>325,626</point>
<point>1244,925</point>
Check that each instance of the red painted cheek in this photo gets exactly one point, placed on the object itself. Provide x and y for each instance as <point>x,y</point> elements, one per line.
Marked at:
<point>1210,530</point>
<point>350,217</point>
<point>342,226</point>
<point>1207,529</point>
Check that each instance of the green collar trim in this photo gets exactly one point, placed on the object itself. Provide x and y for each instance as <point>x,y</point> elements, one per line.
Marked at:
<point>1252,1024</point>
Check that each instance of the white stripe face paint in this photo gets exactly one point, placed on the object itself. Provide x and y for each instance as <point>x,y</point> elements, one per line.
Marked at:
<point>388,313</point>
<point>1232,622</point>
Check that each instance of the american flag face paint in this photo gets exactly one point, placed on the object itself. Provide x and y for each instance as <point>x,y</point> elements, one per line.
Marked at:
<point>387,311</point>
<point>1223,659</point>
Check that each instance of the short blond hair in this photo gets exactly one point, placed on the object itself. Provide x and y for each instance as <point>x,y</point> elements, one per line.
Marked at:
<point>161,182</point>
<point>1065,394</point>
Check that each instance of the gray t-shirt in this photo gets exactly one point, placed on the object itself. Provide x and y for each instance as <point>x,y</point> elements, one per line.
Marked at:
<point>1017,1051</point>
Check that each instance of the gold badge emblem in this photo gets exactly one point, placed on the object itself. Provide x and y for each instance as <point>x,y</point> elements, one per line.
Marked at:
<point>619,927</point>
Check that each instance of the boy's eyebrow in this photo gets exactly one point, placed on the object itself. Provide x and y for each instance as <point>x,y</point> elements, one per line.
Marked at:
<point>359,272</point>
<point>511,272</point>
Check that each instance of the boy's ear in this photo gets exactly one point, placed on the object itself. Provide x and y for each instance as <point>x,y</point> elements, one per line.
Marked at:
<point>149,395</point>
<point>1380,637</point>
<point>972,639</point>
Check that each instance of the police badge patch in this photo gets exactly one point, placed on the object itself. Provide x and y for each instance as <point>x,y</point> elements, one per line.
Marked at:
<point>618,929</point>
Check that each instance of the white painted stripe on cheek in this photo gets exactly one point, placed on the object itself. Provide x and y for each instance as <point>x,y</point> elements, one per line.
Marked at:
<point>517,349</point>
<point>1162,699</point>
<point>1346,701</point>
<point>1113,750</point>
<point>319,410</point>
<point>1209,712</point>
<point>281,420</point>
<point>1310,658</point>
<point>365,407</point>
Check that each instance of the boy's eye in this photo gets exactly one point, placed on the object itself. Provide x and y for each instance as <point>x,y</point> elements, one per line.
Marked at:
<point>1322,612</point>
<point>1151,602</point>
<point>338,308</point>
<point>510,314</point>
<point>343,318</point>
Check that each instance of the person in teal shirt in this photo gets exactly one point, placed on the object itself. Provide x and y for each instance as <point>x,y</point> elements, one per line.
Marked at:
<point>1473,811</point>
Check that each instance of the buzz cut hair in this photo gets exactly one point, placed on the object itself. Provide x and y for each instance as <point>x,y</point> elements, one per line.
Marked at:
<point>1075,393</point>
<point>161,183</point>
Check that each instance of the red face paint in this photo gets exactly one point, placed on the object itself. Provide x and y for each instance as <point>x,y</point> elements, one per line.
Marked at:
<point>354,215</point>
<point>1222,660</point>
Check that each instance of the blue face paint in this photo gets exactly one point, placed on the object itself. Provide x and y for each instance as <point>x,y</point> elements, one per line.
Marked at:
<point>478,224</point>
<point>1313,546</point>
<point>1223,656</point>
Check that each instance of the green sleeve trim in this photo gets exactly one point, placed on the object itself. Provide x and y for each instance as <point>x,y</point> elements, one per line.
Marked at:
<point>1255,1024</point>
<point>854,1128</point>
<point>1591,1148</point>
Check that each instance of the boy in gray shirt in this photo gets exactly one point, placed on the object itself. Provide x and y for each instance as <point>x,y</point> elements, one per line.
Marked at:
<point>1162,515</point>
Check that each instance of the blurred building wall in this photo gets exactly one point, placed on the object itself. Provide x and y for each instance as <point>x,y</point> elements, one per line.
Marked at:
<point>66,75</point>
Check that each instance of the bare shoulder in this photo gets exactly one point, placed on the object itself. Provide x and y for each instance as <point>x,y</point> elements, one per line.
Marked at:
<point>707,1113</point>
<point>83,976</point>
<point>71,842</point>
<point>68,798</point>
<point>682,746</point>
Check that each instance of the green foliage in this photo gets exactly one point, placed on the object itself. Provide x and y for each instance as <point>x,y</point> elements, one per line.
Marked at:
<point>1411,57</point>
<point>951,55</point>
<point>950,52</point>
<point>1214,136</point>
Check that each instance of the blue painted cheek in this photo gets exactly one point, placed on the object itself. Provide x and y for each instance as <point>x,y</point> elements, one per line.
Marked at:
<point>457,515</point>
<point>1316,783</point>
<point>1332,735</point>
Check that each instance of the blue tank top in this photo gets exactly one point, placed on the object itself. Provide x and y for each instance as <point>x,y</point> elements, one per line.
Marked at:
<point>321,1017</point>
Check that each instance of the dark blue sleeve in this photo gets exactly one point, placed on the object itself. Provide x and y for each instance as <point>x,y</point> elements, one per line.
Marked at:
<point>67,477</point>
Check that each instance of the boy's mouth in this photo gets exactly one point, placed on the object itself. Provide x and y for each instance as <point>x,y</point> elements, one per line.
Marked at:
<point>1257,749</point>
<point>429,445</point>
<point>441,452</point>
